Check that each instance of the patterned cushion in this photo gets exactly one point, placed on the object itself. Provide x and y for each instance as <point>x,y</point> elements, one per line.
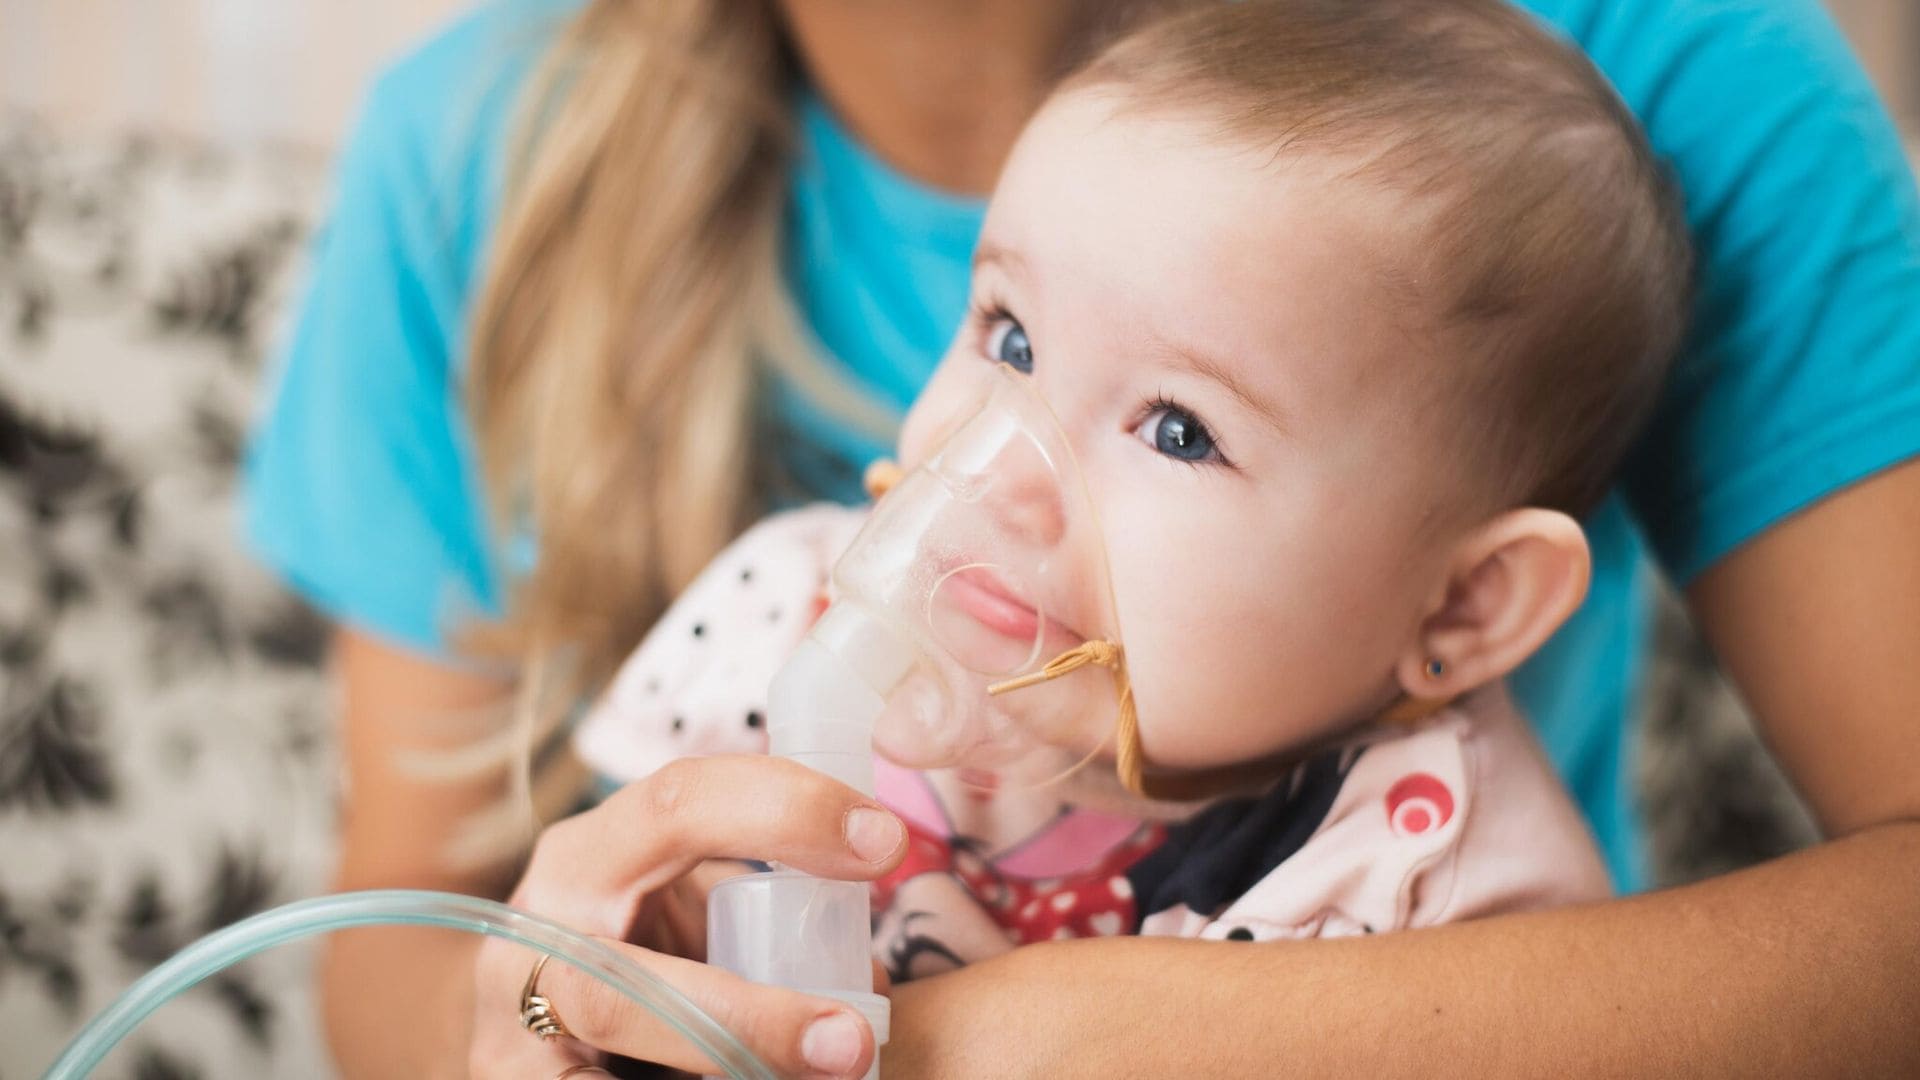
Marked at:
<point>165,757</point>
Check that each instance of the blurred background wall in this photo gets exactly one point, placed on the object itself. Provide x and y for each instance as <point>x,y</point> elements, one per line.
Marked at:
<point>291,70</point>
<point>232,70</point>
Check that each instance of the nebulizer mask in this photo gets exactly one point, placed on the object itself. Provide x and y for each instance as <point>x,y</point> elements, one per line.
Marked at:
<point>972,620</point>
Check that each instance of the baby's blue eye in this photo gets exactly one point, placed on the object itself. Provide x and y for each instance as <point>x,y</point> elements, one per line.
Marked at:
<point>1010,346</point>
<point>1179,434</point>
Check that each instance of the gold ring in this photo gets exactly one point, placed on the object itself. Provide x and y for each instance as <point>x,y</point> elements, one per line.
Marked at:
<point>576,1070</point>
<point>536,1012</point>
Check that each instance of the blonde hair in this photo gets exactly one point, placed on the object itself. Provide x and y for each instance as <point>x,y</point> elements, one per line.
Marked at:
<point>632,284</point>
<point>611,370</point>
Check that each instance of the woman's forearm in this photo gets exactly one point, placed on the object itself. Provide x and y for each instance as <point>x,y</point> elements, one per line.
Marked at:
<point>1807,966</point>
<point>399,1001</point>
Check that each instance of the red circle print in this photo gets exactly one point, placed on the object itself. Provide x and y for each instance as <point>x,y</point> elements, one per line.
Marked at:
<point>1418,803</point>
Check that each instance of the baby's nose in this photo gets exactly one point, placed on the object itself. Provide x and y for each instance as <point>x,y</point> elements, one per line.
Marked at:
<point>1027,505</point>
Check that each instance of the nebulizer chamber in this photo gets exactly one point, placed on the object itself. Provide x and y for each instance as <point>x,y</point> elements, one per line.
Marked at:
<point>975,569</point>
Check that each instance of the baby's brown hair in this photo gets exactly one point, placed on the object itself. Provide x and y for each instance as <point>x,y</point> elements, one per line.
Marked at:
<point>1542,233</point>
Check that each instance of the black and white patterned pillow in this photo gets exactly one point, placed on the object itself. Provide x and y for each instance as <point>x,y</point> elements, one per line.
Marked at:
<point>165,763</point>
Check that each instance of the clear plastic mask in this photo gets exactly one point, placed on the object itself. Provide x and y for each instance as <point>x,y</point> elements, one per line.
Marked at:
<point>985,564</point>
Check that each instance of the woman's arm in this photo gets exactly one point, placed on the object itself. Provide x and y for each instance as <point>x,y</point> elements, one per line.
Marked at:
<point>1808,965</point>
<point>397,829</point>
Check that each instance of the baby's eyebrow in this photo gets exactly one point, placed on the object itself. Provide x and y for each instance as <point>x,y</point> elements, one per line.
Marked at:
<point>992,253</point>
<point>1210,368</point>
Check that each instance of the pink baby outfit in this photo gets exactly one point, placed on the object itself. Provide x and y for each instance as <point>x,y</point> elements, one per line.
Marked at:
<point>1452,818</point>
<point>1458,817</point>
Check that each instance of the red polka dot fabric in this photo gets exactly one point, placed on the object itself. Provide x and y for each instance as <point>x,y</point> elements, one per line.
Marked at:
<point>1098,902</point>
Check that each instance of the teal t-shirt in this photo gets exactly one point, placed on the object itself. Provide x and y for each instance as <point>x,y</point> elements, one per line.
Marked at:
<point>1803,374</point>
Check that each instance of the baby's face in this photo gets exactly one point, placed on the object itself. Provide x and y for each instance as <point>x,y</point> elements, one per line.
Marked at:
<point>1211,330</point>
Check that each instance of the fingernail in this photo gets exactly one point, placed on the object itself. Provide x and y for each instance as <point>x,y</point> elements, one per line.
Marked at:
<point>832,1043</point>
<point>872,834</point>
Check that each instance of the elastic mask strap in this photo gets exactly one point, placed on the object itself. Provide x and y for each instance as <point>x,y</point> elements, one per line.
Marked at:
<point>1102,653</point>
<point>1410,709</point>
<point>1130,760</point>
<point>1130,757</point>
<point>880,477</point>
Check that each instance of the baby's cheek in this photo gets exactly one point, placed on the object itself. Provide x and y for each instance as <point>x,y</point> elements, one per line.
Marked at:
<point>1242,649</point>
<point>1191,649</point>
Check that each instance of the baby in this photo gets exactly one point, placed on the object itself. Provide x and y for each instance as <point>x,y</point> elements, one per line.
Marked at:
<point>1348,310</point>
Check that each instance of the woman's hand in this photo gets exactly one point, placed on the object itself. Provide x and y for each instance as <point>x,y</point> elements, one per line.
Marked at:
<point>634,872</point>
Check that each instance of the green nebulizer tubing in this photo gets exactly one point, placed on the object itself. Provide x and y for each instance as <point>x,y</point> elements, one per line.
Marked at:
<point>400,907</point>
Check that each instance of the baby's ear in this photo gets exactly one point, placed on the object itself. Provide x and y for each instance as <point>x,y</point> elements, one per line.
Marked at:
<point>1509,585</point>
